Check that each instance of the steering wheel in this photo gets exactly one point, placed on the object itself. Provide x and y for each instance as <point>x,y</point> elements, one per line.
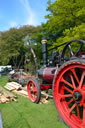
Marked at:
<point>70,49</point>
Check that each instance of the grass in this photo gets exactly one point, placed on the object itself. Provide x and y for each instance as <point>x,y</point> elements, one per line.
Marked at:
<point>25,114</point>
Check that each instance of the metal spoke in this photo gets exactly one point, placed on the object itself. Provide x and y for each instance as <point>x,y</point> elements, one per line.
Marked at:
<point>68,89</point>
<point>75,75</point>
<point>72,108</point>
<point>35,95</point>
<point>64,96</point>
<point>70,101</point>
<point>34,89</point>
<point>69,46</point>
<point>32,84</point>
<point>81,81</point>
<point>78,113</point>
<point>64,81</point>
<point>72,80</point>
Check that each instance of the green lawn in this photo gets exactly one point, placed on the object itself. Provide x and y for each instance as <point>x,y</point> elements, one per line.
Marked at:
<point>25,114</point>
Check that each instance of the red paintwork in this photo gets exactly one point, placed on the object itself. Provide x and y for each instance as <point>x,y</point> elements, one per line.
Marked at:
<point>32,91</point>
<point>48,75</point>
<point>46,87</point>
<point>69,109</point>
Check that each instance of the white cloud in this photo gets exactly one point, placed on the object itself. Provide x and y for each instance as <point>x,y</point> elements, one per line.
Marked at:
<point>31,16</point>
<point>13,24</point>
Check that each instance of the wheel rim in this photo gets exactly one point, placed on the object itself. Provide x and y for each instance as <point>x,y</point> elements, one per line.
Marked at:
<point>69,94</point>
<point>32,91</point>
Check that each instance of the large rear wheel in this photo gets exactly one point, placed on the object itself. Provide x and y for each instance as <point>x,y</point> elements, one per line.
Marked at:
<point>33,89</point>
<point>69,93</point>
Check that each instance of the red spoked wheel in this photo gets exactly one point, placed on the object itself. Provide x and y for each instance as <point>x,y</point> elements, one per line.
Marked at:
<point>69,93</point>
<point>33,89</point>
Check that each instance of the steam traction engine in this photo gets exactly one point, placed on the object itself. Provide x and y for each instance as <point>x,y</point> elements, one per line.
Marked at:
<point>66,76</point>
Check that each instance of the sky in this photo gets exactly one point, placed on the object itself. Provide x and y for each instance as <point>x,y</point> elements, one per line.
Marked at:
<point>16,13</point>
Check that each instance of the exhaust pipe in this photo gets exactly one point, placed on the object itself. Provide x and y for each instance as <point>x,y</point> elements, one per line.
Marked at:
<point>44,51</point>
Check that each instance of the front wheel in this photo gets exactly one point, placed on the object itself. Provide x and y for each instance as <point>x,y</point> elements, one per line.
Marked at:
<point>33,89</point>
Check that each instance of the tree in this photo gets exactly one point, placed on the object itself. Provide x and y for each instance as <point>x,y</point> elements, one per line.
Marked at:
<point>14,44</point>
<point>77,32</point>
<point>10,43</point>
<point>64,14</point>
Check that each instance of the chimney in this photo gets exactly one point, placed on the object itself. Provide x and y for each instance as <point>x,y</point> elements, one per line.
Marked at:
<point>44,51</point>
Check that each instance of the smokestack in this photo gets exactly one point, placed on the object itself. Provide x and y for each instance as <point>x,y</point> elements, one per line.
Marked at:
<point>44,51</point>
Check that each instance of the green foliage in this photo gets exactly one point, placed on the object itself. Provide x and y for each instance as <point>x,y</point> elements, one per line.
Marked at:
<point>64,17</point>
<point>72,33</point>
<point>10,45</point>
<point>14,44</point>
<point>65,14</point>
